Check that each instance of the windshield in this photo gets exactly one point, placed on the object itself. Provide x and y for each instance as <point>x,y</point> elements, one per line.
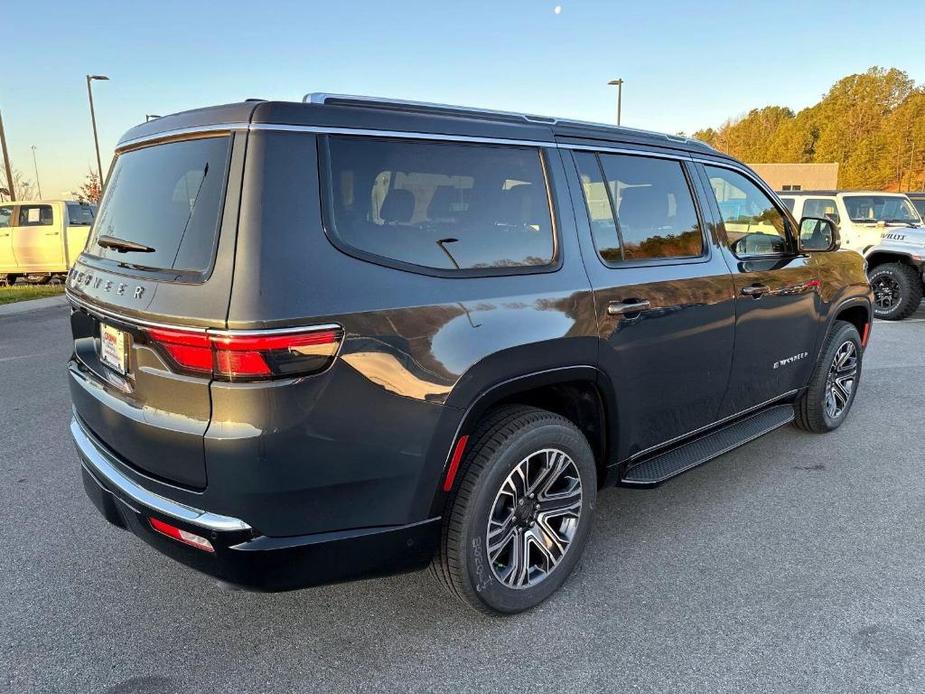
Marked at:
<point>881,208</point>
<point>166,197</point>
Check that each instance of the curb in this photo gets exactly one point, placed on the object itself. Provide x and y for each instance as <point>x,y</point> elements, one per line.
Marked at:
<point>32,305</point>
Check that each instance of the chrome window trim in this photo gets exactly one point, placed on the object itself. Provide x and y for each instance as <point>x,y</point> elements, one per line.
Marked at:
<point>399,134</point>
<point>623,150</point>
<point>98,464</point>
<point>179,132</point>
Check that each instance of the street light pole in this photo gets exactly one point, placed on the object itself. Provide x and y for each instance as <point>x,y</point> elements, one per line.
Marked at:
<point>11,191</point>
<point>36,165</point>
<point>619,85</point>
<point>96,140</point>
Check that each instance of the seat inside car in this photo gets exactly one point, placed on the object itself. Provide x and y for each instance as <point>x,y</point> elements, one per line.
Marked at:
<point>398,206</point>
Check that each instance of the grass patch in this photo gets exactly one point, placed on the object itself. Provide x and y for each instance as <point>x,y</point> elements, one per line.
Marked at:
<point>25,292</point>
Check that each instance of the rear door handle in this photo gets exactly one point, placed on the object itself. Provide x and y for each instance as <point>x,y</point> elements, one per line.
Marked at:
<point>51,233</point>
<point>756,291</point>
<point>620,308</point>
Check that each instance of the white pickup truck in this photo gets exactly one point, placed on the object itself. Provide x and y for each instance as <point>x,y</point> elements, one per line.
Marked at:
<point>40,240</point>
<point>883,227</point>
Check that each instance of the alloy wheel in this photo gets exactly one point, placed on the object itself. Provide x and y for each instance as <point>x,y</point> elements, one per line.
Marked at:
<point>841,379</point>
<point>534,518</point>
<point>887,292</point>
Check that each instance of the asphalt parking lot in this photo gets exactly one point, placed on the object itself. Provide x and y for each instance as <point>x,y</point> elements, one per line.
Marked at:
<point>794,564</point>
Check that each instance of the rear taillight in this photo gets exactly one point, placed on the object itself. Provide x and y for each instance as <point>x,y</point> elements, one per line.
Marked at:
<point>248,356</point>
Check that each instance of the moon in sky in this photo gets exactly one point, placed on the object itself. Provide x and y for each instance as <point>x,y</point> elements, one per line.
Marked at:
<point>557,9</point>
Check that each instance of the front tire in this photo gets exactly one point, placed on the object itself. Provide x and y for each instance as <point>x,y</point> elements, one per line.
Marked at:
<point>897,290</point>
<point>519,517</point>
<point>825,403</point>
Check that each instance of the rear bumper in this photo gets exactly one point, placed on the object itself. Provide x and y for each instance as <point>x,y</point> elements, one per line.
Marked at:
<point>243,556</point>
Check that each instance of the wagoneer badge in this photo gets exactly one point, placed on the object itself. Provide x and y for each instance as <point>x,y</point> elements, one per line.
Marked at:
<point>86,279</point>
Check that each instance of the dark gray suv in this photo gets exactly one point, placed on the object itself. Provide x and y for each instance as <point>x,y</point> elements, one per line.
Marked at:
<point>351,337</point>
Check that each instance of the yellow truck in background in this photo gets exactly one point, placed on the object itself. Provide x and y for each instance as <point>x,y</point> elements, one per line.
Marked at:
<point>39,240</point>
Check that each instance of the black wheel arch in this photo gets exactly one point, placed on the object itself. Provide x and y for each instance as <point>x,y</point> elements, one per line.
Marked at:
<point>579,392</point>
<point>856,310</point>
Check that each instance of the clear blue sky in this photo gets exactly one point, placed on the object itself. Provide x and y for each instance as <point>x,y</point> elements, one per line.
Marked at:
<point>687,65</point>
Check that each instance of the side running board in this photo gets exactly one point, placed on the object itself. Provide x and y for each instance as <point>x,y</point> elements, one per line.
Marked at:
<point>662,466</point>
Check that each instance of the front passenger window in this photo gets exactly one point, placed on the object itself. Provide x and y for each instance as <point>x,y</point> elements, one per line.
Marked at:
<point>754,226</point>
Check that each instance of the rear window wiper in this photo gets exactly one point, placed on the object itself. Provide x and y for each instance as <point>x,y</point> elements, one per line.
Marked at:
<point>123,245</point>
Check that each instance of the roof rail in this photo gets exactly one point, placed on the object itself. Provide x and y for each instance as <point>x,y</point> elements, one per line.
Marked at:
<point>421,106</point>
<point>468,111</point>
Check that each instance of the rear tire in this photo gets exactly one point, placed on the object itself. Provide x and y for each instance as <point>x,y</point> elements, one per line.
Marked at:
<point>825,403</point>
<point>502,550</point>
<point>897,290</point>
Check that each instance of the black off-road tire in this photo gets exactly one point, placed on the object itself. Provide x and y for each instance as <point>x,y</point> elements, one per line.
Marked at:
<point>909,282</point>
<point>503,439</point>
<point>810,408</point>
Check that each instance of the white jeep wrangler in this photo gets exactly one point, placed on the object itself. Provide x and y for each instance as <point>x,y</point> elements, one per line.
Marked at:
<point>883,227</point>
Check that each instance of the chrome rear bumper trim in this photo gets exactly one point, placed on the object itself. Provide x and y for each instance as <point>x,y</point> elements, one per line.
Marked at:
<point>96,461</point>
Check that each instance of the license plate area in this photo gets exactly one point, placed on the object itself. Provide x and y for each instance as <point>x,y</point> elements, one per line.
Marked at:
<point>113,343</point>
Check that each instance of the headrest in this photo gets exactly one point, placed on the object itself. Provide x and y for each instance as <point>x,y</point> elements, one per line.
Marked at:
<point>645,207</point>
<point>398,206</point>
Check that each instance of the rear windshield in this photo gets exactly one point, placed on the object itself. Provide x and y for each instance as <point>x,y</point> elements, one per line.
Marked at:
<point>80,213</point>
<point>168,198</point>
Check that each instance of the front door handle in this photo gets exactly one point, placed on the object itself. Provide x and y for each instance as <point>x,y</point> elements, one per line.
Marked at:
<point>51,233</point>
<point>756,291</point>
<point>620,308</point>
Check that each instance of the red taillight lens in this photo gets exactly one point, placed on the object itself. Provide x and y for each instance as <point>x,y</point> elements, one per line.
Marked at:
<point>248,356</point>
<point>180,535</point>
<point>190,351</point>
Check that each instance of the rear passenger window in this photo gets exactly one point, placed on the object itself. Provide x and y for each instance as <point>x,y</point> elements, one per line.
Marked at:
<point>655,213</point>
<point>445,206</point>
<point>6,215</point>
<point>821,208</point>
<point>35,216</point>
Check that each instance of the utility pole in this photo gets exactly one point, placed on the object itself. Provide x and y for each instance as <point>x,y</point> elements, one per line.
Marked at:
<point>36,165</point>
<point>619,85</point>
<point>96,140</point>
<point>6,163</point>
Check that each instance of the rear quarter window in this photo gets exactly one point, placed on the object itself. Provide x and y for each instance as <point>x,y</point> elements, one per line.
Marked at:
<point>167,197</point>
<point>80,213</point>
<point>445,206</point>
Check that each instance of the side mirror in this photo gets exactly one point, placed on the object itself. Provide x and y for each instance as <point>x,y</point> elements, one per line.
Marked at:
<point>818,235</point>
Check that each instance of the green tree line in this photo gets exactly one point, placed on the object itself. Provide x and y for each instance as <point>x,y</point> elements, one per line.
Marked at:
<point>872,124</point>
